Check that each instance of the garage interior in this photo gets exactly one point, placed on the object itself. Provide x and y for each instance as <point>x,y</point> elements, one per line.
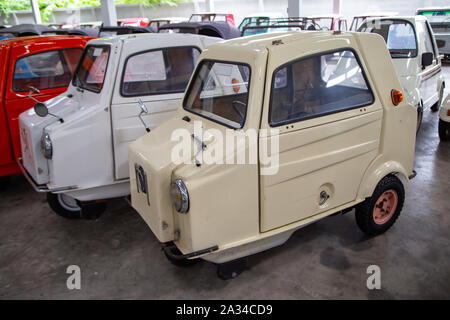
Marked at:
<point>120,258</point>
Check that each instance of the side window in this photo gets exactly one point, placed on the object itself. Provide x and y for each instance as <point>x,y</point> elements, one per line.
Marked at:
<point>158,72</point>
<point>45,70</point>
<point>317,86</point>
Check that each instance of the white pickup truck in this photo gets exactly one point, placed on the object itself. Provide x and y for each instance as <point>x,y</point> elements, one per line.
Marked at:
<point>413,50</point>
<point>75,146</point>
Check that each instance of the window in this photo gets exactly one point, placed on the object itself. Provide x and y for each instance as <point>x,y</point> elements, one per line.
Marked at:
<point>317,86</point>
<point>159,72</point>
<point>90,73</point>
<point>399,36</point>
<point>46,70</point>
<point>219,91</point>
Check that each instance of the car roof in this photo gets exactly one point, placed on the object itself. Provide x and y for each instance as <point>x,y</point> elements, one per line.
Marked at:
<point>261,42</point>
<point>412,19</point>
<point>148,37</point>
<point>31,40</point>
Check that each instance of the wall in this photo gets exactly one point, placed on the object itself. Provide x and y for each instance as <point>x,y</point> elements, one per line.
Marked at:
<point>240,8</point>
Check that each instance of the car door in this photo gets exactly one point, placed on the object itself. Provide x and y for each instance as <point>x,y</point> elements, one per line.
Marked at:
<point>48,71</point>
<point>329,123</point>
<point>430,74</point>
<point>159,78</point>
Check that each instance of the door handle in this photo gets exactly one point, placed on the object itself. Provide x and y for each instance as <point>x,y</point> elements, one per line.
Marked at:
<point>324,196</point>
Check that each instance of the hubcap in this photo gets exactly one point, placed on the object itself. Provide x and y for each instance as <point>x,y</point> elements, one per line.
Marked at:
<point>68,202</point>
<point>385,207</point>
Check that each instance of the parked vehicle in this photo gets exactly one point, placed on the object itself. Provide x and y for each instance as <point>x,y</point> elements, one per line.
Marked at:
<point>159,22</point>
<point>213,17</point>
<point>282,24</point>
<point>415,55</point>
<point>212,29</point>
<point>122,87</point>
<point>258,18</point>
<point>444,120</point>
<point>330,22</point>
<point>358,20</point>
<point>134,22</point>
<point>31,68</point>
<point>333,104</point>
<point>439,19</point>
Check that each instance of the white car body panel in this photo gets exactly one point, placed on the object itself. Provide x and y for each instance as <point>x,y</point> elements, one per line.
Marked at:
<point>90,148</point>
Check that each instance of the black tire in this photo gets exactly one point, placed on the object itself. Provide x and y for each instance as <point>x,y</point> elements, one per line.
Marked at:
<point>419,118</point>
<point>4,181</point>
<point>364,211</point>
<point>57,204</point>
<point>179,262</point>
<point>444,130</point>
<point>438,104</point>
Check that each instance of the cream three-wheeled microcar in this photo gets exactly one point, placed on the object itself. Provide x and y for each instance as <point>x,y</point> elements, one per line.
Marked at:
<point>276,131</point>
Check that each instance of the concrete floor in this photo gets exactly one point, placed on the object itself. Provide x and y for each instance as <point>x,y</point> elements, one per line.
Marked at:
<point>121,259</point>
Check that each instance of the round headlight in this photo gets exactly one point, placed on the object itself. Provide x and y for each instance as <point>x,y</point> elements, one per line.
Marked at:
<point>46,146</point>
<point>179,196</point>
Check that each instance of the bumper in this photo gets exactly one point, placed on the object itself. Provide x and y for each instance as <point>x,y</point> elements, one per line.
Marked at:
<point>40,187</point>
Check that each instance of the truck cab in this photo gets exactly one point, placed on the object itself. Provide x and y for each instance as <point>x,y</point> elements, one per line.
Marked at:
<point>77,149</point>
<point>31,68</point>
<point>276,131</point>
<point>416,58</point>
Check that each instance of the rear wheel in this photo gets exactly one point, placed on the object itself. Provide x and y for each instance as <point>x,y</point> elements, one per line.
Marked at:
<point>438,104</point>
<point>444,130</point>
<point>64,205</point>
<point>378,213</point>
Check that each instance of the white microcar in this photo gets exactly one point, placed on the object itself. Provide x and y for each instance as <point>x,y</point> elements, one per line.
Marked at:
<point>413,50</point>
<point>75,146</point>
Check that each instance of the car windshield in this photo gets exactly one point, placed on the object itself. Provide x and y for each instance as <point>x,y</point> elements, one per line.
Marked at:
<point>399,36</point>
<point>438,18</point>
<point>219,91</point>
<point>91,70</point>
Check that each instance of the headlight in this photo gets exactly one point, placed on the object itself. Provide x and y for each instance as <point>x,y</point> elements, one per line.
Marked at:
<point>179,196</point>
<point>46,146</point>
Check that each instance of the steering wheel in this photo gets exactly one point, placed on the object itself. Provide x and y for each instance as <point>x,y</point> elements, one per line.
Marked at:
<point>235,105</point>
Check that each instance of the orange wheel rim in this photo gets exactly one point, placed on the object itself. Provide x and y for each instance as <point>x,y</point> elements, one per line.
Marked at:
<point>385,207</point>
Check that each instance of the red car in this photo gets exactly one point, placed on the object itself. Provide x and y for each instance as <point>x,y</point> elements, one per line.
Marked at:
<point>134,22</point>
<point>31,68</point>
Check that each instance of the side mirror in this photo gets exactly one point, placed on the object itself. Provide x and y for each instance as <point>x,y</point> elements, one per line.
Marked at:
<point>440,43</point>
<point>41,109</point>
<point>427,59</point>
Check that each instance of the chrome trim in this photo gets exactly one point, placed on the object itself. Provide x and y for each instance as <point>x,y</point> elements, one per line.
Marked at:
<point>40,187</point>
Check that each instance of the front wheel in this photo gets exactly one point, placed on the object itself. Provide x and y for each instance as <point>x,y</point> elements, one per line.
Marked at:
<point>444,130</point>
<point>378,213</point>
<point>419,118</point>
<point>64,205</point>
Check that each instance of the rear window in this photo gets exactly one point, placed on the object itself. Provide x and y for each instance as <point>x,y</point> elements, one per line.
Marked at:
<point>159,71</point>
<point>316,86</point>
<point>46,70</point>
